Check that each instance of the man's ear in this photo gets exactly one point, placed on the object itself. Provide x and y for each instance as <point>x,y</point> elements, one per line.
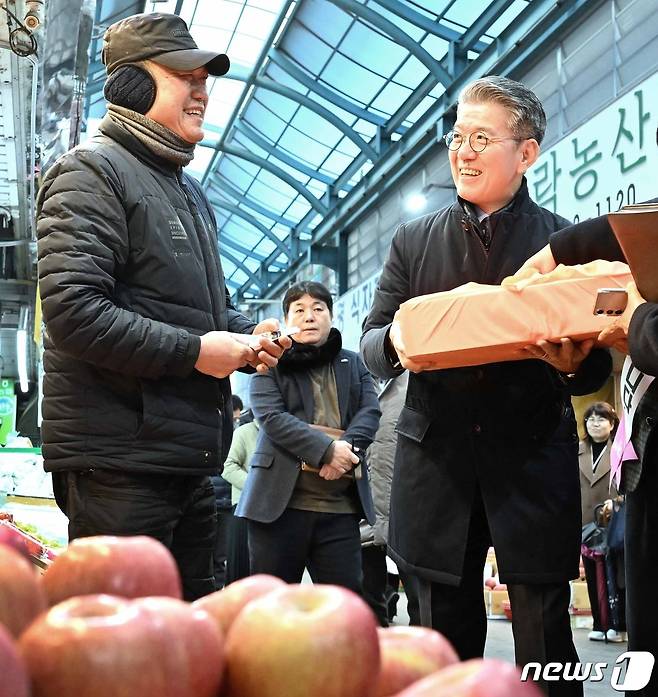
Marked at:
<point>529,153</point>
<point>131,86</point>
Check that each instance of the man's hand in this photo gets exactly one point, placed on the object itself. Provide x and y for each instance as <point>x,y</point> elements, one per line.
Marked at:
<point>265,353</point>
<point>221,354</point>
<point>395,337</point>
<point>616,334</point>
<point>342,461</point>
<point>543,261</point>
<point>565,356</point>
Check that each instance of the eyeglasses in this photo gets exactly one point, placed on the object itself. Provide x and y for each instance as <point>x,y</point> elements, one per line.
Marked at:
<point>596,419</point>
<point>477,140</point>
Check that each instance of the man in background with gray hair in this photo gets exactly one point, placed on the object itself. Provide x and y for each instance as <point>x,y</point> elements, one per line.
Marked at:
<point>486,454</point>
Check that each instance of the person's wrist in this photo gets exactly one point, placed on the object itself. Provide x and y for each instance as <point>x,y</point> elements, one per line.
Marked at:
<point>391,353</point>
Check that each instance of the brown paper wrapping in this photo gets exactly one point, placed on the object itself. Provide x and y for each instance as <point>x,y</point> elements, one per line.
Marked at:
<point>475,324</point>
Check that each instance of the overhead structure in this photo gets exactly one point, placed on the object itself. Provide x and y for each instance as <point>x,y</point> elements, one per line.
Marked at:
<point>326,108</point>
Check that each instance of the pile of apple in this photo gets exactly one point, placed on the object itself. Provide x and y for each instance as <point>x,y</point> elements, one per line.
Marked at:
<point>107,620</point>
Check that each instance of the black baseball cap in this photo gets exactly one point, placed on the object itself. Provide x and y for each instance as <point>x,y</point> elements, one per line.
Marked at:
<point>163,38</point>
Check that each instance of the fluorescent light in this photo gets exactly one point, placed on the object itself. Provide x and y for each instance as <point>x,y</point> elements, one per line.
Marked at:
<point>21,349</point>
<point>21,358</point>
<point>415,203</point>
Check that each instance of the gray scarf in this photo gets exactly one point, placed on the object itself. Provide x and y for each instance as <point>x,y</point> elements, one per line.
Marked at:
<point>156,137</point>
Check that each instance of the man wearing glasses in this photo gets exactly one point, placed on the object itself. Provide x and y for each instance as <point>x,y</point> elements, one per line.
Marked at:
<point>486,454</point>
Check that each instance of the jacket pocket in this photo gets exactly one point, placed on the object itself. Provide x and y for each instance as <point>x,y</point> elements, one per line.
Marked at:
<point>261,460</point>
<point>151,416</point>
<point>413,424</point>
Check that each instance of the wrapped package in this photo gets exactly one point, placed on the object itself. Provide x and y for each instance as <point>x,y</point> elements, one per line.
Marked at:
<point>475,324</point>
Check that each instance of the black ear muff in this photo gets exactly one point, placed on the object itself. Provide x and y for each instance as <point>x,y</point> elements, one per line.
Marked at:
<point>132,87</point>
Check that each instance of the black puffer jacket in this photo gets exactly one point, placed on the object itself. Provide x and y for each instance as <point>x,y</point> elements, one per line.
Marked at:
<point>129,275</point>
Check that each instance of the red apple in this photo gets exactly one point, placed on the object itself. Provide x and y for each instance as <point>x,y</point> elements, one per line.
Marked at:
<point>13,681</point>
<point>131,567</point>
<point>475,678</point>
<point>303,641</point>
<point>491,583</point>
<point>105,646</point>
<point>21,594</point>
<point>409,654</point>
<point>225,605</point>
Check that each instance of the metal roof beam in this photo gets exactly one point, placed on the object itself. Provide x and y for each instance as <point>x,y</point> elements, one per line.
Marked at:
<point>401,37</point>
<point>244,154</point>
<point>491,59</point>
<point>229,240</point>
<point>263,143</point>
<point>231,208</point>
<point>422,22</point>
<point>268,84</point>
<point>277,56</point>
<point>226,187</point>
<point>252,276</point>
<point>276,27</point>
<point>470,38</point>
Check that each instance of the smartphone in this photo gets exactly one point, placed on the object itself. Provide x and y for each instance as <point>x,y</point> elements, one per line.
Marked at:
<point>610,301</point>
<point>276,335</point>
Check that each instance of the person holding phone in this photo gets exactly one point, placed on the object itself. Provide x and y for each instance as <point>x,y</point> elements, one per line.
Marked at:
<point>141,336</point>
<point>634,333</point>
<point>318,412</point>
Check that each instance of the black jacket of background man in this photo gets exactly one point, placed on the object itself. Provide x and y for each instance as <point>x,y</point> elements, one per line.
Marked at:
<point>506,429</point>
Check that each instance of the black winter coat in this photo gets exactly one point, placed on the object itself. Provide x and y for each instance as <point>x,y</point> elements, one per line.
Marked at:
<point>130,276</point>
<point>505,430</point>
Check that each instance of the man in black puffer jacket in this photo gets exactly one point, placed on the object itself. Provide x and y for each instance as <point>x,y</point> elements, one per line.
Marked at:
<point>140,333</point>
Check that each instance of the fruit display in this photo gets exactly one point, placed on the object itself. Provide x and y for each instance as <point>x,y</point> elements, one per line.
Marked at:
<point>21,593</point>
<point>409,654</point>
<point>102,646</point>
<point>15,681</point>
<point>116,627</point>
<point>303,640</point>
<point>225,605</point>
<point>131,567</point>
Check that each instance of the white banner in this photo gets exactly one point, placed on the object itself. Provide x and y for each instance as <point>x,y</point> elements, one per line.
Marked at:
<point>351,309</point>
<point>606,163</point>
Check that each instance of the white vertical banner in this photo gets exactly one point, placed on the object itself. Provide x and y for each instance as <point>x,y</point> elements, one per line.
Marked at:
<point>352,308</point>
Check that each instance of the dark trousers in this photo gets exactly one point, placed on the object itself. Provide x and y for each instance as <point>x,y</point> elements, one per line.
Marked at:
<point>540,612</point>
<point>375,579</point>
<point>327,544</point>
<point>641,542</point>
<point>220,553</point>
<point>594,601</point>
<point>177,511</point>
<point>593,594</point>
<point>237,563</point>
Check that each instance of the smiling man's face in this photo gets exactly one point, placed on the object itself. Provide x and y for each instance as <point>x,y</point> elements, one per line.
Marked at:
<point>489,179</point>
<point>180,100</point>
